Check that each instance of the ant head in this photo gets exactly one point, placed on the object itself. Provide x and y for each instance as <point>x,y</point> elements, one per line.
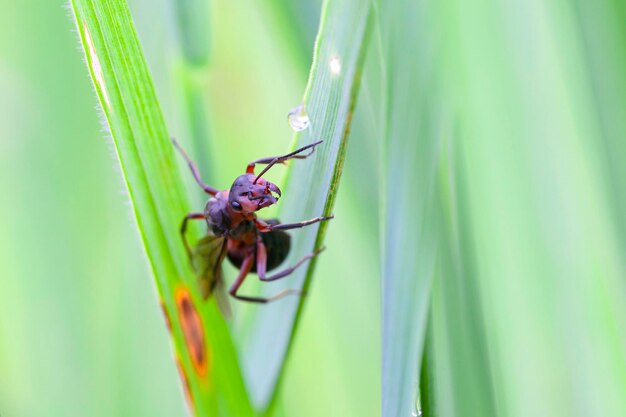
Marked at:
<point>250,193</point>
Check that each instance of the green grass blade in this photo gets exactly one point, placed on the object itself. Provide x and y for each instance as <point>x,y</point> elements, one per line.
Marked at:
<point>527,304</point>
<point>312,184</point>
<point>295,24</point>
<point>542,263</point>
<point>459,377</point>
<point>413,124</point>
<point>127,97</point>
<point>193,21</point>
<point>194,30</point>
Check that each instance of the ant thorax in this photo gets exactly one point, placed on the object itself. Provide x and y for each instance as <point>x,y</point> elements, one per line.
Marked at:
<point>221,218</point>
<point>217,214</point>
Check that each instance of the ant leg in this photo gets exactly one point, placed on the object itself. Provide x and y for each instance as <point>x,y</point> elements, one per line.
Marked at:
<point>246,266</point>
<point>183,229</point>
<point>261,263</point>
<point>264,227</point>
<point>271,161</point>
<point>243,271</point>
<point>194,170</point>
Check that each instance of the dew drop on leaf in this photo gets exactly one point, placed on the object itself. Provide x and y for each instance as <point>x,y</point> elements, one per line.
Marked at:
<point>335,65</point>
<point>298,118</point>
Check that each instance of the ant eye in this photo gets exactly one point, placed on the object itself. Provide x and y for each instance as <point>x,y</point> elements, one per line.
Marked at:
<point>235,205</point>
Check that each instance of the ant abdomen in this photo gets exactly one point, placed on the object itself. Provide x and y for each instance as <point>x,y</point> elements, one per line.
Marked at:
<point>277,244</point>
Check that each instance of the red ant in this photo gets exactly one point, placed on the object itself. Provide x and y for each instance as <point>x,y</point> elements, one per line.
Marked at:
<point>251,244</point>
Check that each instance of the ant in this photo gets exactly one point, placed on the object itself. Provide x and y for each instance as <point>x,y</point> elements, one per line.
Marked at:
<point>251,244</point>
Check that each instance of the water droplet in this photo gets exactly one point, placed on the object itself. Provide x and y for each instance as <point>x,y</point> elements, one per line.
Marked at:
<point>298,118</point>
<point>335,65</point>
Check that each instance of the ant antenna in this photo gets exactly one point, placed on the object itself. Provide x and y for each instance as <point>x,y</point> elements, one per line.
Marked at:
<point>280,159</point>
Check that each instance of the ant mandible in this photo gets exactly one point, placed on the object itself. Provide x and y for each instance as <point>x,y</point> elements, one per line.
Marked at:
<point>251,244</point>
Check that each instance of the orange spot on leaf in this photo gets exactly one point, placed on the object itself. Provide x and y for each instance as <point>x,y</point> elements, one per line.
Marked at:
<point>192,330</point>
<point>168,322</point>
<point>186,388</point>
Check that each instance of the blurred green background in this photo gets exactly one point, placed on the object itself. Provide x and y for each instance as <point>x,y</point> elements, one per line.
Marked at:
<point>501,134</point>
<point>81,332</point>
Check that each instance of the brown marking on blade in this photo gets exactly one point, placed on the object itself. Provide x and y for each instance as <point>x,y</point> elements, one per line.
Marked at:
<point>186,387</point>
<point>168,322</point>
<point>193,331</point>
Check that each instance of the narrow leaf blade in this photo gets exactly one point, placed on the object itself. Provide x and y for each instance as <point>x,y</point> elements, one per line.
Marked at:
<point>312,184</point>
<point>414,124</point>
<point>208,364</point>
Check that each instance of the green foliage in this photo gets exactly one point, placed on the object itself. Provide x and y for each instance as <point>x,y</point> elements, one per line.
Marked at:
<point>145,152</point>
<point>312,185</point>
<point>412,124</point>
<point>127,97</point>
<point>490,134</point>
<point>503,198</point>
